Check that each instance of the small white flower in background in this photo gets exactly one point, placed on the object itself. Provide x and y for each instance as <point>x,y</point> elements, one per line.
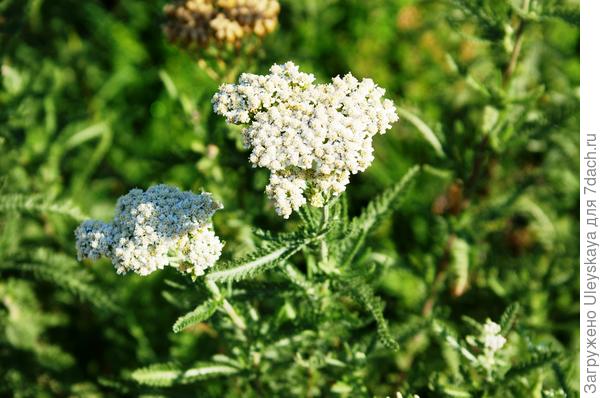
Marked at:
<point>399,395</point>
<point>492,342</point>
<point>311,137</point>
<point>491,337</point>
<point>152,229</point>
<point>554,394</point>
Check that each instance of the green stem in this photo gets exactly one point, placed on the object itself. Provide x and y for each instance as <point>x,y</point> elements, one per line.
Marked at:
<point>214,289</point>
<point>516,51</point>
<point>324,221</point>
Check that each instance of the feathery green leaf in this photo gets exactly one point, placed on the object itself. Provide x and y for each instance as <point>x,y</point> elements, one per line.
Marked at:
<point>38,204</point>
<point>375,211</point>
<point>165,375</point>
<point>536,361</point>
<point>509,317</point>
<point>199,314</point>
<point>385,202</point>
<point>365,294</point>
<point>261,260</point>
<point>63,272</point>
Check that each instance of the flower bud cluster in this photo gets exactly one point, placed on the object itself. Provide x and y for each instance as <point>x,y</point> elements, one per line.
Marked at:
<point>311,137</point>
<point>152,229</point>
<point>491,338</point>
<point>196,23</point>
<point>492,341</point>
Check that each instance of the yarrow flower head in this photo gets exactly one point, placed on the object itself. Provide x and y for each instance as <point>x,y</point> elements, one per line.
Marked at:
<point>311,137</point>
<point>197,23</point>
<point>152,229</point>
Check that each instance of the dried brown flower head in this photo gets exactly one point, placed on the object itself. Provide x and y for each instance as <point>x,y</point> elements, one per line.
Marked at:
<point>198,23</point>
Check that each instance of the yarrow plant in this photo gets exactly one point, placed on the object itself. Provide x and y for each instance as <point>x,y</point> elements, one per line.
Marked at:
<point>311,137</point>
<point>469,208</point>
<point>153,229</point>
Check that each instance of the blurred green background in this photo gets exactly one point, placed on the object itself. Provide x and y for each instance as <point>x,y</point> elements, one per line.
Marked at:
<point>94,101</point>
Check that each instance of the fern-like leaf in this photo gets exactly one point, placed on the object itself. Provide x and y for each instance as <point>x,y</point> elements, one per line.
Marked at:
<point>338,222</point>
<point>536,361</point>
<point>62,271</point>
<point>311,219</point>
<point>567,14</point>
<point>255,263</point>
<point>38,204</point>
<point>282,238</point>
<point>509,317</point>
<point>199,314</point>
<point>385,202</point>
<point>166,375</point>
<point>562,379</point>
<point>374,213</point>
<point>375,305</point>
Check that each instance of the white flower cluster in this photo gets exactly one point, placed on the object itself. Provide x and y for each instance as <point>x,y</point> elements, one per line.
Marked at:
<point>399,395</point>
<point>492,342</point>
<point>491,338</point>
<point>311,137</point>
<point>162,226</point>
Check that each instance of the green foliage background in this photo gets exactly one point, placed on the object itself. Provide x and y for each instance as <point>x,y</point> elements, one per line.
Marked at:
<point>94,102</point>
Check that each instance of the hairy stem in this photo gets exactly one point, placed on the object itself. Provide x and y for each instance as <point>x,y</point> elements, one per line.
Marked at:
<point>237,320</point>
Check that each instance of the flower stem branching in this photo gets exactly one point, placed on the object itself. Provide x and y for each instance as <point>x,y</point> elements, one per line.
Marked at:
<point>215,291</point>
